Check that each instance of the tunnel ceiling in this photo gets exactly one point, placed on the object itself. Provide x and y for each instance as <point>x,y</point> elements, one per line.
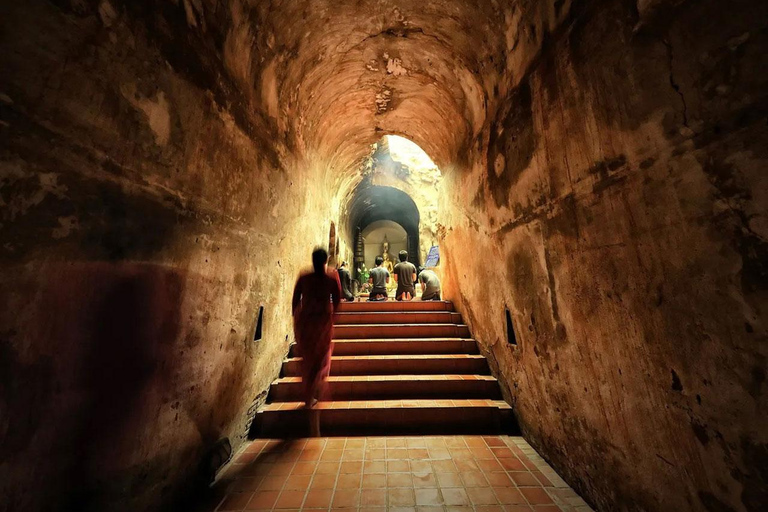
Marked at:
<point>352,71</point>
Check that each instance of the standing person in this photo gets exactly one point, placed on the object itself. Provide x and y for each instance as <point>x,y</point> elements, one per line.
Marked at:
<point>379,277</point>
<point>405,275</point>
<point>315,299</point>
<point>346,282</point>
<point>430,285</point>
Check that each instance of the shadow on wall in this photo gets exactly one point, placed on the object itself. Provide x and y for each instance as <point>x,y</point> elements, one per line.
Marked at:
<point>103,367</point>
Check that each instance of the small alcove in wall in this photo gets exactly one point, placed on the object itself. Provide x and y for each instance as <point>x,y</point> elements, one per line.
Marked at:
<point>376,234</point>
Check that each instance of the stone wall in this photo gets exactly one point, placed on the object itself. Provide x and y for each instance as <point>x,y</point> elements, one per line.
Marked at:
<point>147,210</point>
<point>617,207</point>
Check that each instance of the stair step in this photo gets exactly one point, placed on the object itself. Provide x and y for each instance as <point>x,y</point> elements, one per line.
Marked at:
<point>398,317</point>
<point>357,331</point>
<point>389,387</point>
<point>392,305</point>
<point>372,417</point>
<point>398,364</point>
<point>393,346</point>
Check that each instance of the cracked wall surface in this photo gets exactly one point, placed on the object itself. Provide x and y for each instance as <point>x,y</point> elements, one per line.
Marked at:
<point>167,167</point>
<point>620,214</point>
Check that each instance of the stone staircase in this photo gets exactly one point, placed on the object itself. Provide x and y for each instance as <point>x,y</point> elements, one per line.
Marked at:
<point>397,368</point>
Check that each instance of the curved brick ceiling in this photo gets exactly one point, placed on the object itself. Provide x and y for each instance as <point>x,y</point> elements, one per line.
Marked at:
<point>350,71</point>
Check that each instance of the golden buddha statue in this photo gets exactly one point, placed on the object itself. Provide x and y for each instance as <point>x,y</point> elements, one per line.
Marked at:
<point>389,261</point>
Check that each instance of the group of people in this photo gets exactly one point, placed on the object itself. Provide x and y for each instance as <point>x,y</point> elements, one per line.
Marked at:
<point>316,298</point>
<point>405,276</point>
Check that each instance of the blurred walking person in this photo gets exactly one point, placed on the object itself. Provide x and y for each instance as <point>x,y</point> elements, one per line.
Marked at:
<point>315,299</point>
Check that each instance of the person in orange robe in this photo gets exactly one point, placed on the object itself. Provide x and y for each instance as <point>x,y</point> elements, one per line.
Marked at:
<point>316,297</point>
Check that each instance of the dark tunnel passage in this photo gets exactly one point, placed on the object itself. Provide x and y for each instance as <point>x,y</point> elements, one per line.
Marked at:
<point>371,203</point>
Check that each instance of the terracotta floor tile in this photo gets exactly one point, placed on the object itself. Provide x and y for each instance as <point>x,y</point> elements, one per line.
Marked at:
<point>482,496</point>
<point>246,484</point>
<point>344,498</point>
<point>460,453</point>
<point>328,468</point>
<point>335,444</point>
<point>474,479</point>
<point>466,465</point>
<point>424,480</point>
<point>434,442</point>
<point>373,498</point>
<point>524,479</point>
<point>439,453</point>
<point>455,496</point>
<point>247,457</point>
<point>418,453</point>
<point>512,464</point>
<point>353,454</point>
<point>331,455</point>
<point>401,497</point>
<point>398,466</point>
<point>351,467</point>
<point>444,466</point>
<point>290,499</point>
<point>376,442</point>
<point>262,469</point>
<point>397,453</point>
<point>502,452</point>
<point>273,483</point>
<point>355,443</point>
<point>427,497</point>
<point>374,481</point>
<point>482,453</point>
<point>376,454</point>
<point>499,479</point>
<point>236,501</point>
<point>349,481</point>
<point>541,478</point>
<point>509,496</point>
<point>374,467</point>
<point>263,500</point>
<point>488,465</point>
<point>311,455</point>
<point>421,466</point>
<point>536,495</point>
<point>315,443</point>
<point>297,482</point>
<point>304,468</point>
<point>449,480</point>
<point>323,482</point>
<point>413,474</point>
<point>399,480</point>
<point>318,498</point>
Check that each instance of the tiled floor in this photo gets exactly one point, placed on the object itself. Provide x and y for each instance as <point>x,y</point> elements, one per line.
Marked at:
<point>408,474</point>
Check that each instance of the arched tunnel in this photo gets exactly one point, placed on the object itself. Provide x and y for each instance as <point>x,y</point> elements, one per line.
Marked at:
<point>597,184</point>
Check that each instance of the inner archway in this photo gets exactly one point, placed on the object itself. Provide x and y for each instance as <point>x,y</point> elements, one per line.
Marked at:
<point>381,232</point>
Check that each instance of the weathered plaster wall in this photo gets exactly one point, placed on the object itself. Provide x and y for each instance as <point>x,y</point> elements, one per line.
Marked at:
<point>166,167</point>
<point>618,207</point>
<point>147,209</point>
